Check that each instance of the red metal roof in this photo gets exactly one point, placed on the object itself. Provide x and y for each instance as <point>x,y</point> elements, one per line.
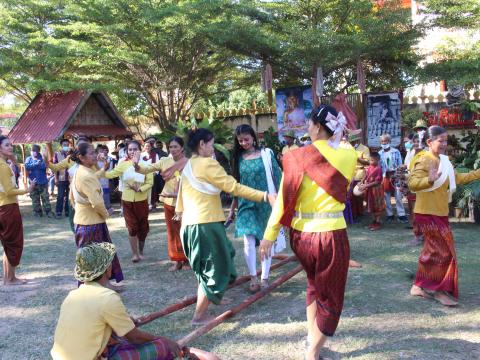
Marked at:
<point>97,131</point>
<point>51,114</point>
<point>46,117</point>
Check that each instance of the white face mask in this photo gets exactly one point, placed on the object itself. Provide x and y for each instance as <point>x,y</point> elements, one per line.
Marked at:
<point>385,146</point>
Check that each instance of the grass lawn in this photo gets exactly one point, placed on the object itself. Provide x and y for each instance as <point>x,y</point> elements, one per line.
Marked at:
<point>380,320</point>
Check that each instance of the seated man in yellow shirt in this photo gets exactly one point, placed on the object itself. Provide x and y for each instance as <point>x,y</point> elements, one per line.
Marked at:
<point>91,314</point>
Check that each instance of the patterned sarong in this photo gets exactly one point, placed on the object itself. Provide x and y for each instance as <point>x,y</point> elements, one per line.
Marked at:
<point>11,232</point>
<point>175,249</point>
<point>155,350</point>
<point>210,254</point>
<point>136,218</point>
<point>87,234</point>
<point>325,257</point>
<point>437,265</point>
<point>375,199</point>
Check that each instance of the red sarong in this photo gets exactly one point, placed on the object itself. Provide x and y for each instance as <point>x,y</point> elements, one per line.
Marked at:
<point>325,257</point>
<point>175,248</point>
<point>375,199</point>
<point>11,232</point>
<point>136,218</point>
<point>437,265</point>
<point>375,194</point>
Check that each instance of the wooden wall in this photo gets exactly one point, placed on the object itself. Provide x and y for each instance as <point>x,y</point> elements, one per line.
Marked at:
<point>92,114</point>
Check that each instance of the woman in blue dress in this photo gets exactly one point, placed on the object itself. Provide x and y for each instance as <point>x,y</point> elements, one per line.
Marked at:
<point>256,168</point>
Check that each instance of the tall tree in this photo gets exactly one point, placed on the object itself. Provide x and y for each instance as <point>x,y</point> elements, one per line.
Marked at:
<point>335,34</point>
<point>162,50</point>
<point>171,54</point>
<point>27,60</point>
<point>457,59</point>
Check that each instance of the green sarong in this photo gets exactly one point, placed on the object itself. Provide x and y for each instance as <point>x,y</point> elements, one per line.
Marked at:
<point>210,254</point>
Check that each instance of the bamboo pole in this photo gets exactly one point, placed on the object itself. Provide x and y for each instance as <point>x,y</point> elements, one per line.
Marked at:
<point>230,313</point>
<point>191,300</point>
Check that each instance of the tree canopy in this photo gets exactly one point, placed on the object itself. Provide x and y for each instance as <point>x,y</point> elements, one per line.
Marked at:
<point>163,58</point>
<point>458,58</point>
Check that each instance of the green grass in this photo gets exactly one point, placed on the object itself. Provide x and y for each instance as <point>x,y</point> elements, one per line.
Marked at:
<point>380,320</point>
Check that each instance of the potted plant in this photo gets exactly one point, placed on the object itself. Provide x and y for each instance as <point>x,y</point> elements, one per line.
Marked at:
<point>469,108</point>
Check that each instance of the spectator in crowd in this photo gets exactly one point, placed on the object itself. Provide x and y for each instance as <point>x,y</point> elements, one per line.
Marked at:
<point>290,138</point>
<point>409,151</point>
<point>62,180</point>
<point>149,157</point>
<point>290,142</point>
<point>363,161</point>
<point>305,140</point>
<point>122,152</point>
<point>159,149</point>
<point>37,171</point>
<point>51,183</point>
<point>104,182</point>
<point>158,182</point>
<point>371,186</point>
<point>390,161</point>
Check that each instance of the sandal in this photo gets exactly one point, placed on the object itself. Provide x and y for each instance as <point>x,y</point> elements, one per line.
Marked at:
<point>254,286</point>
<point>264,284</point>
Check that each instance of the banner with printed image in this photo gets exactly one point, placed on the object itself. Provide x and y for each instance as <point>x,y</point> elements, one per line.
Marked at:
<point>294,106</point>
<point>383,117</point>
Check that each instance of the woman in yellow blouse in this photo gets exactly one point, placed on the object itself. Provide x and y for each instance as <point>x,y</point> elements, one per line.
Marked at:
<point>87,199</point>
<point>433,179</point>
<point>205,242</point>
<point>310,202</point>
<point>71,166</point>
<point>169,198</point>
<point>11,227</point>
<point>134,200</point>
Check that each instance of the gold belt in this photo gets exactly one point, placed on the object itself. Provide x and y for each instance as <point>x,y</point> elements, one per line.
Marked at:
<point>325,215</point>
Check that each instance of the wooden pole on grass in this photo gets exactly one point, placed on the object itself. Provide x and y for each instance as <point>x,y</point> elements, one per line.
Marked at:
<point>230,313</point>
<point>191,300</point>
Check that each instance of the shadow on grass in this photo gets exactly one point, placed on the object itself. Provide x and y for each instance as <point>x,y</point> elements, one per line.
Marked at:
<point>423,348</point>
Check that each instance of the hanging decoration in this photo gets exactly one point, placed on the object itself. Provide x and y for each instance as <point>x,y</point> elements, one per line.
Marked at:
<point>361,77</point>
<point>319,83</point>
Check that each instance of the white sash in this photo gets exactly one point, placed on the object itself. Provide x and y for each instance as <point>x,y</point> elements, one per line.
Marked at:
<point>12,179</point>
<point>446,168</point>
<point>202,187</point>
<point>72,170</point>
<point>266,155</point>
<point>267,164</point>
<point>73,188</point>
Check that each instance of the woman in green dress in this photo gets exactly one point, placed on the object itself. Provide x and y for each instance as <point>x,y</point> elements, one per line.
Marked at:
<point>255,168</point>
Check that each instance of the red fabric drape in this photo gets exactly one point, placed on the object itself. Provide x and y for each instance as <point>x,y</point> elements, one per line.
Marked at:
<point>340,104</point>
